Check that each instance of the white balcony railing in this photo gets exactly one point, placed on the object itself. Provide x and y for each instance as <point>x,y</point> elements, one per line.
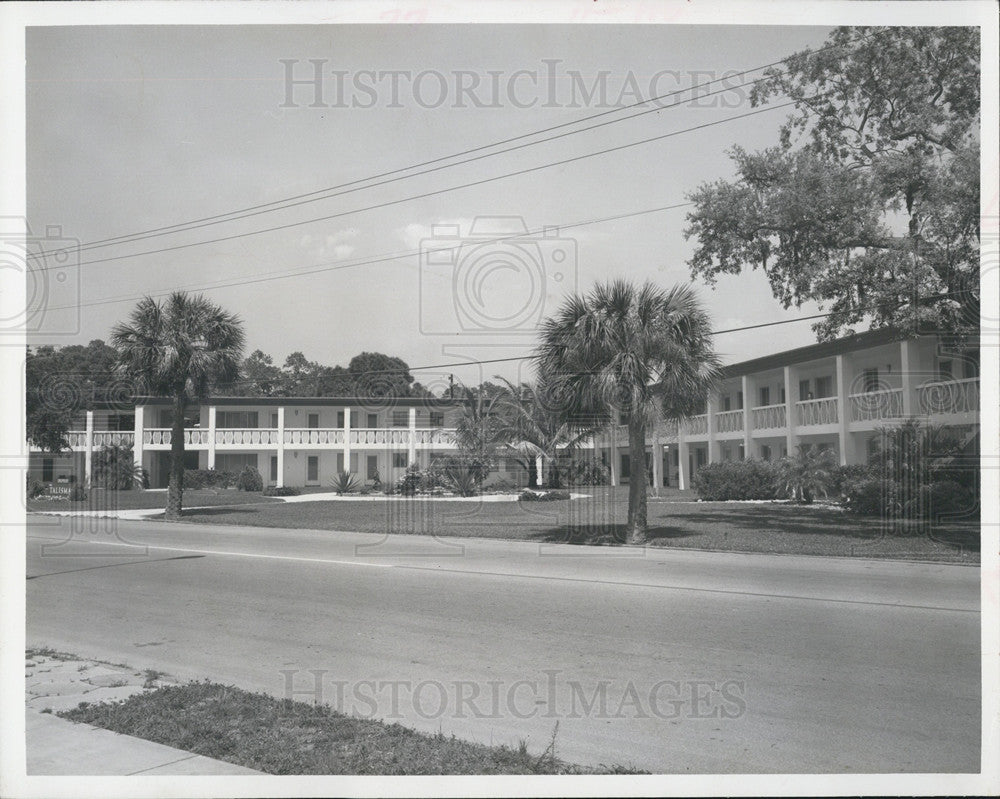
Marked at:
<point>874,405</point>
<point>246,437</point>
<point>399,436</point>
<point>113,438</point>
<point>817,411</point>
<point>949,396</point>
<point>77,439</point>
<point>696,425</point>
<point>435,436</point>
<point>729,421</point>
<point>769,417</point>
<point>313,436</point>
<point>162,436</point>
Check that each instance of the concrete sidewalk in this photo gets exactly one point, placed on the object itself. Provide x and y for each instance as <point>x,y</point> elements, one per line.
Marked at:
<point>58,747</point>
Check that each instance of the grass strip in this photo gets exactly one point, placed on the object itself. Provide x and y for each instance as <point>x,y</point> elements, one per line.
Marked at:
<point>278,736</point>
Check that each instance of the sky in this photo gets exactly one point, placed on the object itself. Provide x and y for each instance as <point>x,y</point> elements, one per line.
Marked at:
<point>135,128</point>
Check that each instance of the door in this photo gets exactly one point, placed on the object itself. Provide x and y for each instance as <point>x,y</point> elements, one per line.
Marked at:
<point>372,471</point>
<point>274,468</point>
<point>313,422</point>
<point>312,469</point>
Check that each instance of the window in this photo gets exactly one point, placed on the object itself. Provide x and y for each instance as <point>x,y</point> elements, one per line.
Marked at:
<point>313,421</point>
<point>340,418</point>
<point>804,393</point>
<point>47,470</point>
<point>400,418</point>
<point>373,420</point>
<point>274,468</point>
<point>626,469</point>
<point>726,403</point>
<point>237,419</point>
<point>437,418</point>
<point>765,395</point>
<point>781,395</point>
<point>870,378</point>
<point>739,400</point>
<point>372,467</point>
<point>274,420</point>
<point>399,460</point>
<point>824,386</point>
<point>234,461</point>
<point>741,452</point>
<point>312,469</point>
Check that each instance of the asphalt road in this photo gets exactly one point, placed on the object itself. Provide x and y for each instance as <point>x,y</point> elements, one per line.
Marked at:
<point>673,661</point>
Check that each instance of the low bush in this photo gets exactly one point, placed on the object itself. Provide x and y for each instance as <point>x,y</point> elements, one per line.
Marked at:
<point>35,488</point>
<point>587,473</point>
<point>738,480</point>
<point>209,478</point>
<point>412,480</point>
<point>542,496</point>
<point>77,494</point>
<point>281,491</point>
<point>945,498</point>
<point>868,495</point>
<point>345,483</point>
<point>249,479</point>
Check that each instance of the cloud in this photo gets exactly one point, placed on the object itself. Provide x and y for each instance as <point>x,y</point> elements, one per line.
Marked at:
<point>331,246</point>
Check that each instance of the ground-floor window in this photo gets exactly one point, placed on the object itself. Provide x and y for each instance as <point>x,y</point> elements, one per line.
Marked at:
<point>274,468</point>
<point>372,467</point>
<point>399,460</point>
<point>47,469</point>
<point>234,462</point>
<point>312,469</point>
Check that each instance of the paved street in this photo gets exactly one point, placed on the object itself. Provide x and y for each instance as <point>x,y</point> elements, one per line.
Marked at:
<point>674,661</point>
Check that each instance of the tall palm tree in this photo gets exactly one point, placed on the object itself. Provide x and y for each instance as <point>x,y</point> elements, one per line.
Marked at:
<point>180,349</point>
<point>642,351</point>
<point>533,421</point>
<point>478,432</point>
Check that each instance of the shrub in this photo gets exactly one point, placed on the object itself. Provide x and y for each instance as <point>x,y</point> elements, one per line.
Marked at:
<point>809,474</point>
<point>345,483</point>
<point>281,491</point>
<point>542,496</point>
<point>115,469</point>
<point>945,498</point>
<point>842,476</point>
<point>412,480</point>
<point>35,488</point>
<point>463,480</point>
<point>209,478</point>
<point>737,480</point>
<point>77,494</point>
<point>588,473</point>
<point>249,479</point>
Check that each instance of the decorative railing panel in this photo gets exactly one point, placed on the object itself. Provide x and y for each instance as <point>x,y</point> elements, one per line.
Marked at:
<point>949,396</point>
<point>769,417</point>
<point>243,437</point>
<point>817,411</point>
<point>696,425</point>
<point>333,436</point>
<point>435,437</point>
<point>113,438</point>
<point>381,435</point>
<point>729,421</point>
<point>874,405</point>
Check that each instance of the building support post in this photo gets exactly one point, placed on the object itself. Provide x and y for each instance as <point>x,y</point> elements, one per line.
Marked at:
<point>211,437</point>
<point>682,458</point>
<point>280,481</point>
<point>137,441</point>
<point>713,455</point>
<point>747,417</point>
<point>613,454</point>
<point>411,453</point>
<point>88,457</point>
<point>844,442</point>
<point>657,462</point>
<point>908,372</point>
<point>347,440</point>
<point>790,420</point>
<point>539,471</point>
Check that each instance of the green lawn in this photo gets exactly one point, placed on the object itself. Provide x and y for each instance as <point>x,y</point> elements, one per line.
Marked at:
<point>674,521</point>
<point>99,499</point>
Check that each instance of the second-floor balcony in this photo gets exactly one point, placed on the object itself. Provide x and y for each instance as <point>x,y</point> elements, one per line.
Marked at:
<point>729,422</point>
<point>810,413</point>
<point>949,397</point>
<point>768,417</point>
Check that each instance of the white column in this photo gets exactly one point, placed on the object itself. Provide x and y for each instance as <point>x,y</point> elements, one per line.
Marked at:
<point>347,439</point>
<point>137,437</point>
<point>713,401</point>
<point>411,455</point>
<point>843,409</point>
<point>539,471</point>
<point>613,454</point>
<point>281,447</point>
<point>211,436</point>
<point>747,417</point>
<point>682,459</point>
<point>908,358</point>
<point>790,420</point>
<point>657,462</point>
<point>88,457</point>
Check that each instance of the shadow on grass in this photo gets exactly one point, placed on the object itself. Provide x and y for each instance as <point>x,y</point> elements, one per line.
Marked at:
<point>225,510</point>
<point>606,534</point>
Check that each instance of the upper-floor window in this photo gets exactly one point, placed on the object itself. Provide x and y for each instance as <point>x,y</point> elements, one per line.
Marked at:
<point>237,419</point>
<point>739,400</point>
<point>824,386</point>
<point>765,395</point>
<point>726,403</point>
<point>373,420</point>
<point>870,380</point>
<point>437,419</point>
<point>400,418</point>
<point>312,421</point>
<point>804,392</point>
<point>274,424</point>
<point>341,418</point>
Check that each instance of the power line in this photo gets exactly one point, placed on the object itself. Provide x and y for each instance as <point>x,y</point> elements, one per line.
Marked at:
<point>235,214</point>
<point>338,265</point>
<point>430,193</point>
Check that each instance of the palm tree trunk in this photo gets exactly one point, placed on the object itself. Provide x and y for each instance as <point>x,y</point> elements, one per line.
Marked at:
<point>175,489</point>
<point>637,523</point>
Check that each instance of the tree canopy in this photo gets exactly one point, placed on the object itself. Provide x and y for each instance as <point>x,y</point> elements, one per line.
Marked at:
<point>869,202</point>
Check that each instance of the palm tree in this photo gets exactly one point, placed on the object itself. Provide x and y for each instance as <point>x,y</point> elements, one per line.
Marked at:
<point>534,424</point>
<point>640,350</point>
<point>809,474</point>
<point>179,349</point>
<point>478,433</point>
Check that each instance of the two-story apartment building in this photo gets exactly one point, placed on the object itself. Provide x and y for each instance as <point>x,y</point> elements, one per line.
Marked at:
<point>834,395</point>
